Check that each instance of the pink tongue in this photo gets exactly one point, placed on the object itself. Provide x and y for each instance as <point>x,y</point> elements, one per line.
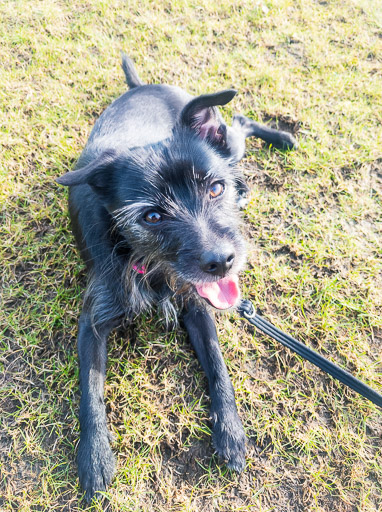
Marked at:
<point>222,294</point>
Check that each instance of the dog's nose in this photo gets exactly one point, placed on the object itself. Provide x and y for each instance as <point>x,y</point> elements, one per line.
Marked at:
<point>217,263</point>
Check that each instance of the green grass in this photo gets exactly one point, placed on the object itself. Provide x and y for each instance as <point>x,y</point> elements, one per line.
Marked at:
<point>313,226</point>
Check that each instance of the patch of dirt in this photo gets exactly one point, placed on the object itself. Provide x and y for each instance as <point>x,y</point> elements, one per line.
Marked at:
<point>377,336</point>
<point>376,174</point>
<point>187,463</point>
<point>296,49</point>
<point>290,253</point>
<point>256,175</point>
<point>284,123</point>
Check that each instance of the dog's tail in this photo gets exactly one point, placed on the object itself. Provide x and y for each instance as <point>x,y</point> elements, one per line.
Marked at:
<point>132,78</point>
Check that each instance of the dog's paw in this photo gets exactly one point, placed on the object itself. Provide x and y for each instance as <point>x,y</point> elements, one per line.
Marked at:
<point>96,463</point>
<point>228,438</point>
<point>287,141</point>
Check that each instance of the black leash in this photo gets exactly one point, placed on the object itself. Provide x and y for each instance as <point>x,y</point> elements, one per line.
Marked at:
<point>247,310</point>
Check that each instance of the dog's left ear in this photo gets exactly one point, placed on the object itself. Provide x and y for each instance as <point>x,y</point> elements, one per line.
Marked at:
<point>202,116</point>
<point>95,173</point>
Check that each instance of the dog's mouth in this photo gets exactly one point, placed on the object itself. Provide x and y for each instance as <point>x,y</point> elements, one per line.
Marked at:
<point>222,294</point>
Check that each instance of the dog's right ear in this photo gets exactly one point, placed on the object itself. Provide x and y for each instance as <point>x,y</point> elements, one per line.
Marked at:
<point>93,174</point>
<point>202,116</point>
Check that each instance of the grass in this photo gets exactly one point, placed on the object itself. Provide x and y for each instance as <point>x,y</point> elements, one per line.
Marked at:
<point>314,241</point>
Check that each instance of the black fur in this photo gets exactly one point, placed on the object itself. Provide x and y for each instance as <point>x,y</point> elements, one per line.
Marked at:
<point>157,153</point>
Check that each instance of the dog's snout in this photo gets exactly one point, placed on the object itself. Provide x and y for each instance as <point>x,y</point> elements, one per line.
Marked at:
<point>217,263</point>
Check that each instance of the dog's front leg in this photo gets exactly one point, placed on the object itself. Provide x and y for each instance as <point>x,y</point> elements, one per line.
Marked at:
<point>228,434</point>
<point>95,459</point>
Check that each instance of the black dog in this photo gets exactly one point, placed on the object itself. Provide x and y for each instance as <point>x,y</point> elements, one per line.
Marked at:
<point>154,208</point>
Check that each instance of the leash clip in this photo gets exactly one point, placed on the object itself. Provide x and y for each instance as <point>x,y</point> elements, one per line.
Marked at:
<point>246,309</point>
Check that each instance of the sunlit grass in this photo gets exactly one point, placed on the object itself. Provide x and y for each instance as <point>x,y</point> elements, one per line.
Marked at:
<point>313,225</point>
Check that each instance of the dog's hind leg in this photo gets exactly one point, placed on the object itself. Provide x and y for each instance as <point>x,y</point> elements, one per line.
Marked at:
<point>249,128</point>
<point>228,434</point>
<point>243,127</point>
<point>95,459</point>
<point>131,75</point>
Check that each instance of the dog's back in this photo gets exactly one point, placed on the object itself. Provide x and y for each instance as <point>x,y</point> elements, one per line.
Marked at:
<point>146,114</point>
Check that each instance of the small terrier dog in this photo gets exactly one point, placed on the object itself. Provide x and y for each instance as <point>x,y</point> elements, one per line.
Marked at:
<point>154,204</point>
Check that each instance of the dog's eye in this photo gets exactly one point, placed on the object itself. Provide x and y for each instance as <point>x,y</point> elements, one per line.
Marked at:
<point>152,217</point>
<point>216,189</point>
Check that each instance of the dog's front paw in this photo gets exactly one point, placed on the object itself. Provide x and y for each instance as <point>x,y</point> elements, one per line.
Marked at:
<point>228,438</point>
<point>96,463</point>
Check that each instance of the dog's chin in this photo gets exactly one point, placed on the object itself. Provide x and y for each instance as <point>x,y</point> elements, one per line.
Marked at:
<point>223,294</point>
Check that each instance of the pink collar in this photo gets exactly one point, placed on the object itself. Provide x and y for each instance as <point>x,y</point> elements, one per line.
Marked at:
<point>140,269</point>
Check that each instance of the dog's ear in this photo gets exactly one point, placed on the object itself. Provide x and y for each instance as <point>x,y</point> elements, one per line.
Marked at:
<point>93,174</point>
<point>202,116</point>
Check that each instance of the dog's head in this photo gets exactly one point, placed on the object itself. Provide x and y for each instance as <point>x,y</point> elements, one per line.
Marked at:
<point>175,203</point>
